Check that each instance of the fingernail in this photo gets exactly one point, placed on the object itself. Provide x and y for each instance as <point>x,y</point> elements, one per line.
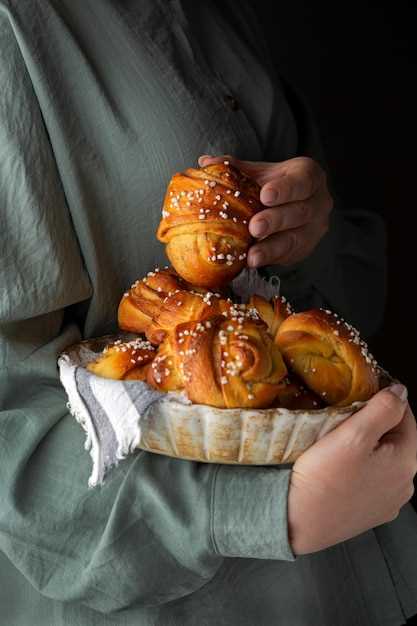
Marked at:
<point>256,259</point>
<point>400,391</point>
<point>202,157</point>
<point>269,196</point>
<point>258,228</point>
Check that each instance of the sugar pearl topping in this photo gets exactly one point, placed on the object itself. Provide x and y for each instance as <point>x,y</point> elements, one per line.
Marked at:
<point>134,344</point>
<point>353,337</point>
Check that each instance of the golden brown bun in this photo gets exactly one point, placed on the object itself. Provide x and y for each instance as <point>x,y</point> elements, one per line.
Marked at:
<point>165,373</point>
<point>143,301</point>
<point>192,306</point>
<point>162,300</point>
<point>138,373</point>
<point>124,360</point>
<point>226,363</point>
<point>293,395</point>
<point>329,357</point>
<point>184,306</point>
<point>272,312</point>
<point>204,224</point>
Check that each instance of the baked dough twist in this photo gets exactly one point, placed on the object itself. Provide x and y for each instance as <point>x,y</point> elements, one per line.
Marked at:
<point>205,217</point>
<point>162,300</point>
<point>329,357</point>
<point>127,360</point>
<point>226,363</point>
<point>293,395</point>
<point>142,302</point>
<point>272,312</point>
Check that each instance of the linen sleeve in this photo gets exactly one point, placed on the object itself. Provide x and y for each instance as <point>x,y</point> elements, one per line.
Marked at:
<point>159,528</point>
<point>347,270</point>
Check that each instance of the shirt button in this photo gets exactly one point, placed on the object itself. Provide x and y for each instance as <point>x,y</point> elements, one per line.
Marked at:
<point>231,102</point>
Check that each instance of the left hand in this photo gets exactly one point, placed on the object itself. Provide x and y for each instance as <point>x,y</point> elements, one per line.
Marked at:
<point>299,204</point>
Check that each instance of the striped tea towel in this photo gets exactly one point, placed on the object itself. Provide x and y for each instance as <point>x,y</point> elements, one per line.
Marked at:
<point>109,410</point>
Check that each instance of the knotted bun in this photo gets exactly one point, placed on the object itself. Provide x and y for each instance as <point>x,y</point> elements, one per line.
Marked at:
<point>142,302</point>
<point>124,360</point>
<point>205,217</point>
<point>329,357</point>
<point>226,363</point>
<point>273,312</point>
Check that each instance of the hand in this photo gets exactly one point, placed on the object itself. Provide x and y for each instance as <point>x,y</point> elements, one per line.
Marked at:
<point>298,201</point>
<point>356,477</point>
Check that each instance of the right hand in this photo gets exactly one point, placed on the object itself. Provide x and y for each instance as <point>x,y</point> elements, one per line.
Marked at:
<point>356,477</point>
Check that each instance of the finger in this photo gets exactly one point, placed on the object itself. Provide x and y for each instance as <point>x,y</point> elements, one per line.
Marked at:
<point>283,218</point>
<point>281,182</point>
<point>207,159</point>
<point>293,181</point>
<point>399,447</point>
<point>404,434</point>
<point>291,215</point>
<point>287,247</point>
<point>383,412</point>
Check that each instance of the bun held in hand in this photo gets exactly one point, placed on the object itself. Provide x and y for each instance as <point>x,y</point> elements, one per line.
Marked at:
<point>205,218</point>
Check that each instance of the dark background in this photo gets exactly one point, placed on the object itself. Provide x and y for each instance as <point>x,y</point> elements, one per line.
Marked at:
<point>353,63</point>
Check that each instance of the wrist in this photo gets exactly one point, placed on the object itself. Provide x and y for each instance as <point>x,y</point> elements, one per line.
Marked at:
<point>306,526</point>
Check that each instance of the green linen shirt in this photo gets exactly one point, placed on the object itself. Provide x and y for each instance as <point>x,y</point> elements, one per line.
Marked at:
<point>100,102</point>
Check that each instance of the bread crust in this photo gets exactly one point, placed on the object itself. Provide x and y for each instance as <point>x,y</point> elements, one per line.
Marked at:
<point>205,223</point>
<point>329,357</point>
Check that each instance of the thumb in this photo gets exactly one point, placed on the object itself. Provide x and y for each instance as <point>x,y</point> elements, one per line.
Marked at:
<point>383,412</point>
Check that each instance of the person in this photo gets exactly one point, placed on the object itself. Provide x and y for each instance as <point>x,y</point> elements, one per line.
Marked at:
<point>100,102</point>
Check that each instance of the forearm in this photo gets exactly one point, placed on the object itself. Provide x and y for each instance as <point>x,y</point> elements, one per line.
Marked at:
<point>157,530</point>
